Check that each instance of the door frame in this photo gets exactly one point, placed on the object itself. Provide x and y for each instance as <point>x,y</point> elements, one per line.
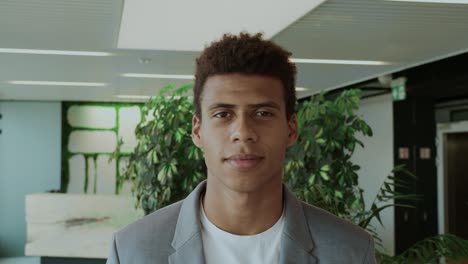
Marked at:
<point>442,130</point>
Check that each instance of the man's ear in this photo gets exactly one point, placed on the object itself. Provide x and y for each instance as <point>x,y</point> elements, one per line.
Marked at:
<point>196,126</point>
<point>293,130</point>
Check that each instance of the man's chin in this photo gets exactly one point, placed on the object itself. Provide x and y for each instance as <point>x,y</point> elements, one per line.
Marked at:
<point>244,184</point>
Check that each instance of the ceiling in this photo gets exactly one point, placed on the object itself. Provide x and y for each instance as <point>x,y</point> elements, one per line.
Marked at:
<point>144,23</point>
<point>402,33</point>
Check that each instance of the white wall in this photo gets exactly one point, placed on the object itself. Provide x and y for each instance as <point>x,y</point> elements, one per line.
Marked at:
<point>30,148</point>
<point>376,159</point>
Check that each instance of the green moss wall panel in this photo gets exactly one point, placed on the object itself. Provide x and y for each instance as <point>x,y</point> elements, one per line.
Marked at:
<point>129,118</point>
<point>92,132</point>
<point>76,166</point>
<point>103,117</point>
<point>85,141</point>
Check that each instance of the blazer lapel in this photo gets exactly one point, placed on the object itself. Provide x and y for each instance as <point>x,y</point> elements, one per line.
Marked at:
<point>296,242</point>
<point>187,241</point>
<point>190,252</point>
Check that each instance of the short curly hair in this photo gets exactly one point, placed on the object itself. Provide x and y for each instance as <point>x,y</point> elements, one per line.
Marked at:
<point>246,54</point>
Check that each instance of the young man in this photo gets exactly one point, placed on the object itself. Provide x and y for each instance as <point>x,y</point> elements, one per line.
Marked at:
<point>244,120</point>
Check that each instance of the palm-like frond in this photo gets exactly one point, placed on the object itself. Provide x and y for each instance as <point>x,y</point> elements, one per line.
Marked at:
<point>430,250</point>
<point>387,195</point>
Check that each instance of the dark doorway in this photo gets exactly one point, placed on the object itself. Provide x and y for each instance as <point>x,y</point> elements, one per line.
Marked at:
<point>53,260</point>
<point>456,157</point>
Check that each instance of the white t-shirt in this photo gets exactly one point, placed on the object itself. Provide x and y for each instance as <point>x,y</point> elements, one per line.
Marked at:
<point>222,247</point>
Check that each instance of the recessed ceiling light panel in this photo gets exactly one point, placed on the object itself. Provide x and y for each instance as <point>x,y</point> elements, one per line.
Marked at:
<point>349,62</point>
<point>230,16</point>
<point>48,83</point>
<point>300,89</point>
<point>159,76</point>
<point>55,52</point>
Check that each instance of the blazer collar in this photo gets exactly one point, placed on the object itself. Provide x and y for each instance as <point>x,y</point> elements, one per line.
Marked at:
<point>296,242</point>
<point>187,240</point>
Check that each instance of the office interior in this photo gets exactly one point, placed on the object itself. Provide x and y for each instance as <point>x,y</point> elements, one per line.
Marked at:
<point>409,58</point>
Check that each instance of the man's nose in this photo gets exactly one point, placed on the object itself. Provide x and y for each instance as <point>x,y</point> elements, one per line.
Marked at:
<point>244,130</point>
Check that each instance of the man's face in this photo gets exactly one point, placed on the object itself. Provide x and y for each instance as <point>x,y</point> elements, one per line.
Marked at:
<point>244,131</point>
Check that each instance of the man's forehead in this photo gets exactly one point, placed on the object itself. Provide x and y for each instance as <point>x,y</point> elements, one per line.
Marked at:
<point>235,85</point>
<point>232,98</point>
<point>241,78</point>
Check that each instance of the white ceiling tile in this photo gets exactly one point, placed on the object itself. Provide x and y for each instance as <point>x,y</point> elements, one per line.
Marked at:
<point>190,25</point>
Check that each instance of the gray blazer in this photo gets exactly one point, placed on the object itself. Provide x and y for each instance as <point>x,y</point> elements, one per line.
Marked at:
<point>172,235</point>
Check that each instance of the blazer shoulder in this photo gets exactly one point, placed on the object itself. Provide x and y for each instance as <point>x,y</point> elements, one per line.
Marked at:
<point>329,229</point>
<point>157,222</point>
<point>148,240</point>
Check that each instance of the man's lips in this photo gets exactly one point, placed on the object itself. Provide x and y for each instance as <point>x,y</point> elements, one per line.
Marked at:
<point>244,161</point>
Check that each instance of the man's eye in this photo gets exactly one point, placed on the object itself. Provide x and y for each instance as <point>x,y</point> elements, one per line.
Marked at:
<point>264,113</point>
<point>222,115</point>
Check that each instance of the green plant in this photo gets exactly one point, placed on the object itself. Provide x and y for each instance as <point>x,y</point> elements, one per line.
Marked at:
<point>322,155</point>
<point>430,250</point>
<point>166,165</point>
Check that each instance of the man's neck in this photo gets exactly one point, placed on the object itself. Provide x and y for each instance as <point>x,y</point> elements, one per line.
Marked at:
<point>243,213</point>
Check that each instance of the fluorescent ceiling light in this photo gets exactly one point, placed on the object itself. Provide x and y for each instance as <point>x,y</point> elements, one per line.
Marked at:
<point>351,62</point>
<point>159,76</point>
<point>56,52</point>
<point>435,1</point>
<point>299,89</point>
<point>57,83</point>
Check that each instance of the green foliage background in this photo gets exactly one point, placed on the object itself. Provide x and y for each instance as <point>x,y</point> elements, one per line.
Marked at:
<point>166,166</point>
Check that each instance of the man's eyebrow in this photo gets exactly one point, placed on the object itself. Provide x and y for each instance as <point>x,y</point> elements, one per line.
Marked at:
<point>231,106</point>
<point>266,104</point>
<point>220,105</point>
